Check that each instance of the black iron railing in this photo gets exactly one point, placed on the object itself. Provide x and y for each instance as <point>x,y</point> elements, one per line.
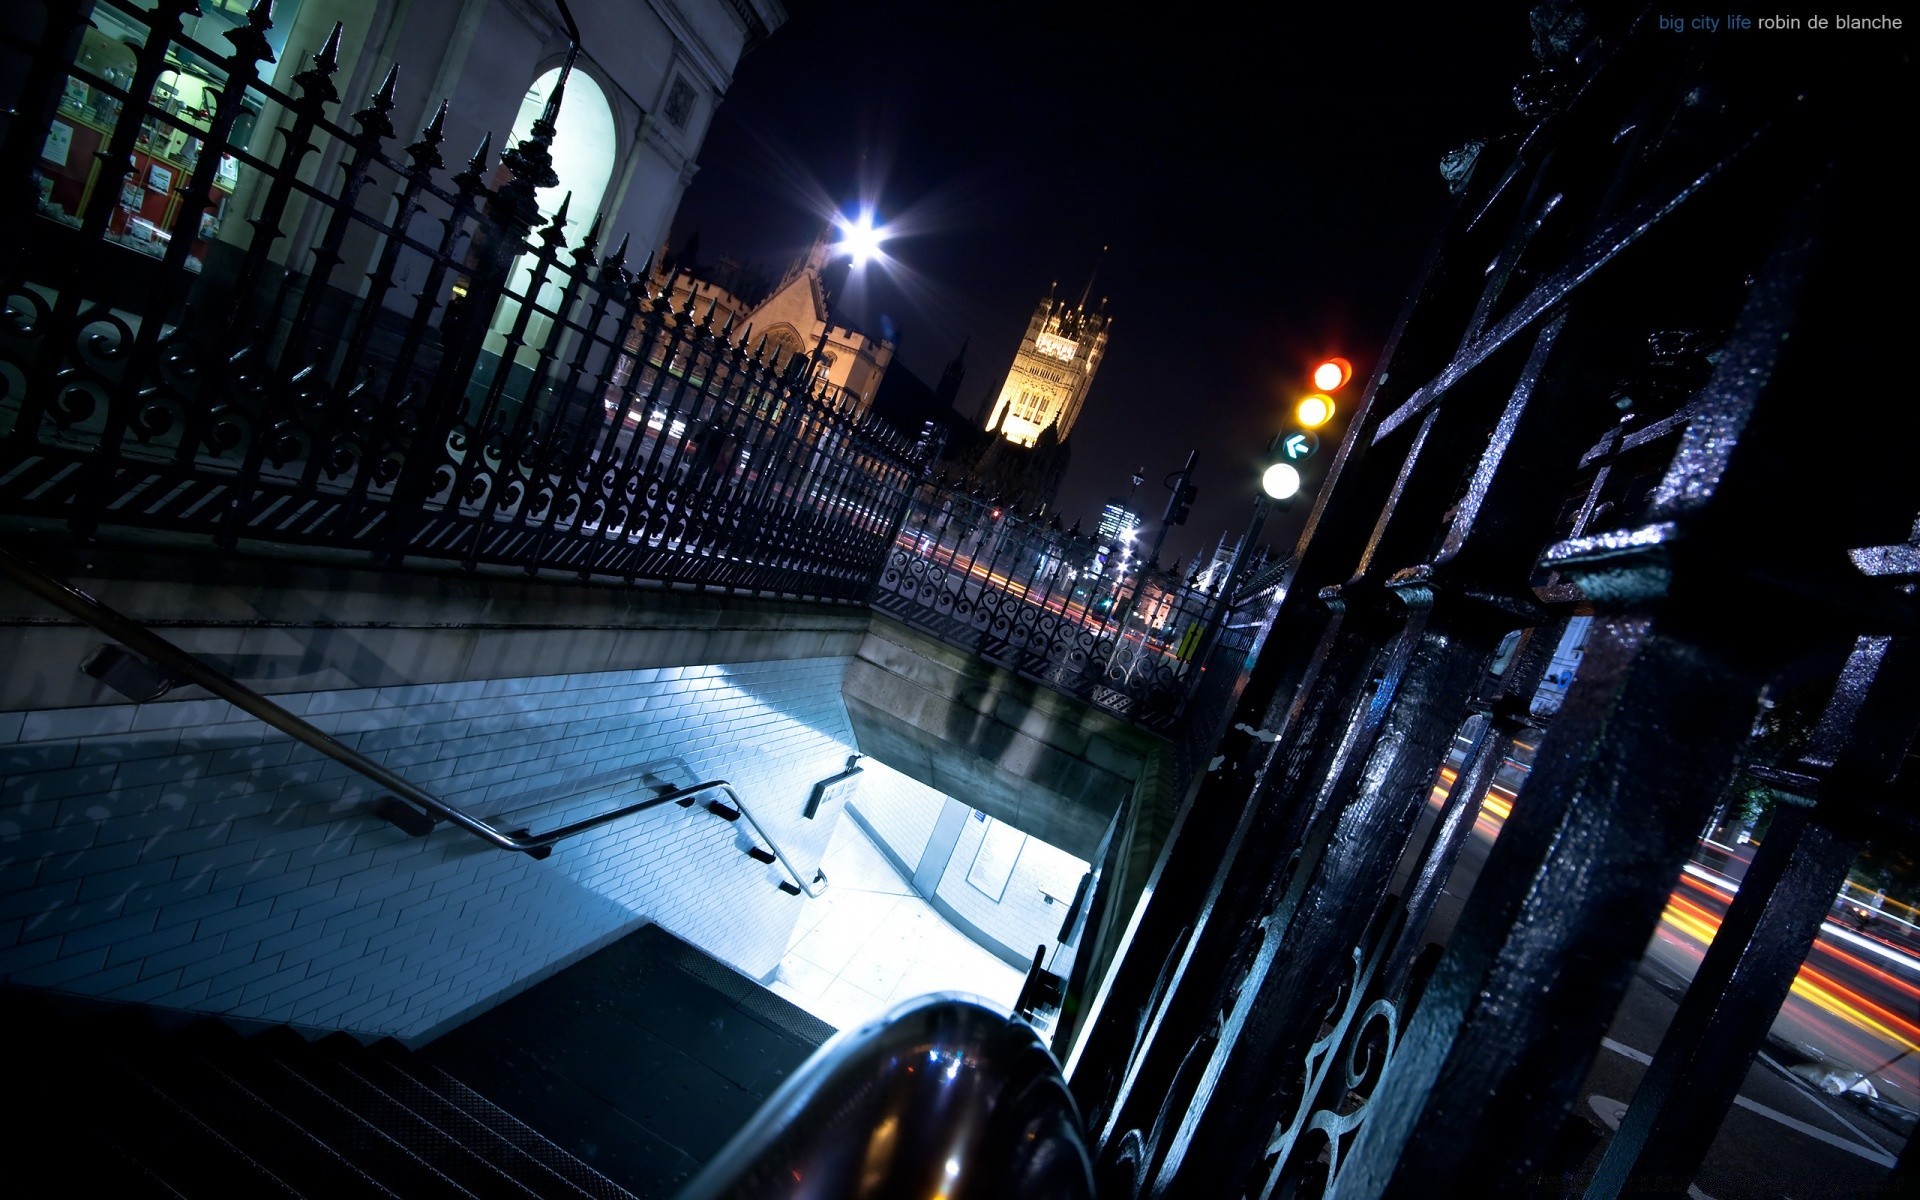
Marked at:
<point>1595,407</point>
<point>203,335</point>
<point>1061,608</point>
<point>421,367</point>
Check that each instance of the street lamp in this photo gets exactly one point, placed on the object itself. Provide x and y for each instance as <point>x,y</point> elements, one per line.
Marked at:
<point>860,238</point>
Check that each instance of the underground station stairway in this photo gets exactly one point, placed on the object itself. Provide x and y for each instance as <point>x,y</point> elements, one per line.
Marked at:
<point>125,1107</point>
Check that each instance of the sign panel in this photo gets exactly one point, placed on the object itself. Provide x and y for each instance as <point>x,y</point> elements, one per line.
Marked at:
<point>993,861</point>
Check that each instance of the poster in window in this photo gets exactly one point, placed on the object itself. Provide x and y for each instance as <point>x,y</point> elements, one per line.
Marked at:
<point>993,861</point>
<point>159,178</point>
<point>59,142</point>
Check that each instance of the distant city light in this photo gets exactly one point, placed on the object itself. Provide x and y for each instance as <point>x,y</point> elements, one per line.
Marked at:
<point>1281,481</point>
<point>860,238</point>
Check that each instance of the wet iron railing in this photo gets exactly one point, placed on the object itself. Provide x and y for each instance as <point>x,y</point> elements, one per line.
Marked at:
<point>1058,606</point>
<point>408,807</point>
<point>1590,410</point>
<point>422,367</point>
<point>942,1096</point>
<point>381,356</point>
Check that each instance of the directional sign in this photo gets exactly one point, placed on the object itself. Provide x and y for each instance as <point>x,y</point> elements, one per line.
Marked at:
<point>1299,447</point>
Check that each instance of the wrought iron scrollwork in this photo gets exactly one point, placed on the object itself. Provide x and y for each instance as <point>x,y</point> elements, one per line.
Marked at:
<point>1048,604</point>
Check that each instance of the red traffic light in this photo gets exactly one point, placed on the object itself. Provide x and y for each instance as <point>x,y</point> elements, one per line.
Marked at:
<point>1332,373</point>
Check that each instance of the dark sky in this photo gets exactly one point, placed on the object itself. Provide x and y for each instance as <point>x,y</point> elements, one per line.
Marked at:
<point>1267,184</point>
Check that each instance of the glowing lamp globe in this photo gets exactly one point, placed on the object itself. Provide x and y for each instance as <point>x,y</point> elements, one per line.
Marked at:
<point>1281,481</point>
<point>860,238</point>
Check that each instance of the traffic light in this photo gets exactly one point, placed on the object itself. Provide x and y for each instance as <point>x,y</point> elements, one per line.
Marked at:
<point>1299,437</point>
<point>1181,505</point>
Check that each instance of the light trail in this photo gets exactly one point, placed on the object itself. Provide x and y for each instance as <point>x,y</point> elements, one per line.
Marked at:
<point>1820,1006</point>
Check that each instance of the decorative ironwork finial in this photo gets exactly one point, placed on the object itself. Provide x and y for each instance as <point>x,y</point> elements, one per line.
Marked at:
<point>372,119</point>
<point>316,82</point>
<point>426,151</point>
<point>474,178</point>
<point>250,40</point>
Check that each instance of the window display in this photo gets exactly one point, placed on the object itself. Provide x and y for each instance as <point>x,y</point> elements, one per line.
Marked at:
<point>167,148</point>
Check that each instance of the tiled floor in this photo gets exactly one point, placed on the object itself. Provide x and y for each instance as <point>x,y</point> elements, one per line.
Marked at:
<point>870,942</point>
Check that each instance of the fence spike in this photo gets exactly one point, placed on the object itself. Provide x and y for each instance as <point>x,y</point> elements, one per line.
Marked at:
<point>250,40</point>
<point>372,119</point>
<point>327,60</point>
<point>316,82</point>
<point>557,226</point>
<point>426,151</point>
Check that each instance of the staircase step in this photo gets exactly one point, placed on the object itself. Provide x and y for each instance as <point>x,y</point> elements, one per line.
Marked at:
<point>253,1124</point>
<point>140,1104</point>
<point>329,1062</point>
<point>112,1170</point>
<point>260,1063</point>
<point>503,1123</point>
<point>510,1157</point>
<point>172,1143</point>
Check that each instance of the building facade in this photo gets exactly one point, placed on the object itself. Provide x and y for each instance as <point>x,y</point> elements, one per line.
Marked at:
<point>644,84</point>
<point>1047,384</point>
<point>794,318</point>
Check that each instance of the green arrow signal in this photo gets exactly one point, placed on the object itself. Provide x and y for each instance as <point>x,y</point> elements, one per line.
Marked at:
<point>1298,447</point>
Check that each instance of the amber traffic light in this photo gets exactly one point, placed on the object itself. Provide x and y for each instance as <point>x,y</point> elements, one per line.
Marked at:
<point>1297,440</point>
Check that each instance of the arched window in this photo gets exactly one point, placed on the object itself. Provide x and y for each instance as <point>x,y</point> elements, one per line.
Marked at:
<point>783,342</point>
<point>584,150</point>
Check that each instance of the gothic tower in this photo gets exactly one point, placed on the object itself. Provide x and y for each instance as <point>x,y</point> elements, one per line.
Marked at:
<point>1052,370</point>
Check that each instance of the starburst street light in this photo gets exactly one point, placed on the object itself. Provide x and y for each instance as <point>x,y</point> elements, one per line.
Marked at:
<point>860,238</point>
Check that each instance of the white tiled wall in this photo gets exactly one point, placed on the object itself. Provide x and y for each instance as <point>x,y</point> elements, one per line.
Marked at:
<point>900,810</point>
<point>182,854</point>
<point>1023,917</point>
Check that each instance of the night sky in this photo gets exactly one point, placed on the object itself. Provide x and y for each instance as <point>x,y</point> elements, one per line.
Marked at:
<point>1267,185</point>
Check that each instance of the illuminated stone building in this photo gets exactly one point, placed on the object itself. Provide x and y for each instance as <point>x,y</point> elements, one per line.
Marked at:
<point>1052,370</point>
<point>795,317</point>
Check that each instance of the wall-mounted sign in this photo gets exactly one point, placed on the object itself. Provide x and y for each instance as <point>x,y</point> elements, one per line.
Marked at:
<point>840,787</point>
<point>993,861</point>
<point>159,178</point>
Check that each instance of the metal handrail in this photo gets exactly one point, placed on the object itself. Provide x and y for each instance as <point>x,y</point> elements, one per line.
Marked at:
<point>145,642</point>
<point>942,1096</point>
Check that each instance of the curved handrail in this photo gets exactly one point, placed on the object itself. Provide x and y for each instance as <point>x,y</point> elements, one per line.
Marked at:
<point>141,640</point>
<point>943,1096</point>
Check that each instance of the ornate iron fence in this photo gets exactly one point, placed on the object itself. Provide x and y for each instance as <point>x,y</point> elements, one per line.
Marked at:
<point>403,364</point>
<point>1599,402</point>
<point>1058,607</point>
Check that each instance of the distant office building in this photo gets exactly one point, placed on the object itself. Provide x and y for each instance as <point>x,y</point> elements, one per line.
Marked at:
<point>1118,524</point>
